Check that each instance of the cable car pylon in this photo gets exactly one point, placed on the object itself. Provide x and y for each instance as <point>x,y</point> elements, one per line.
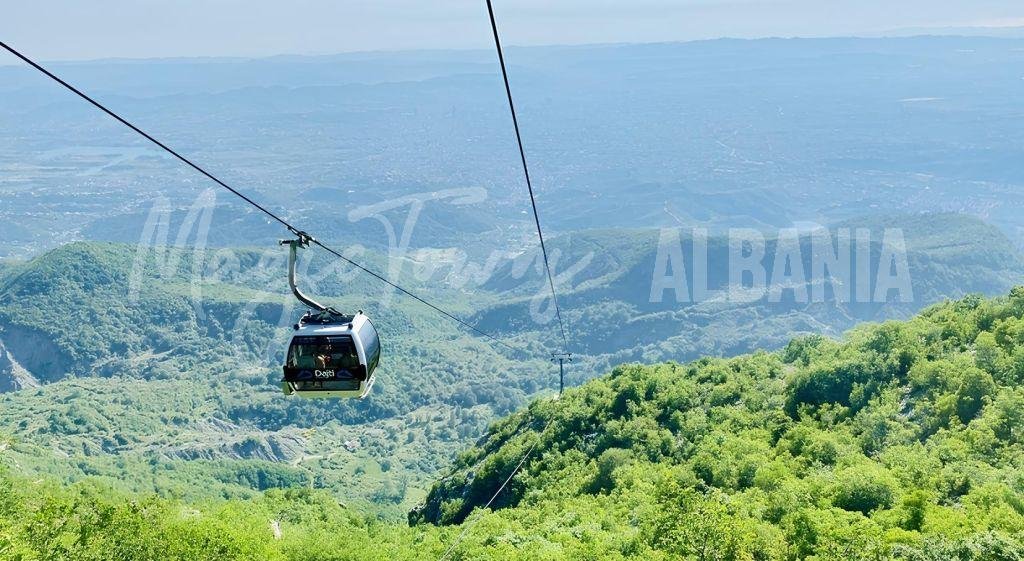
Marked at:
<point>561,359</point>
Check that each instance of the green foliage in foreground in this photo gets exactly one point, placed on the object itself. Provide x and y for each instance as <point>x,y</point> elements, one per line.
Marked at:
<point>903,442</point>
<point>89,523</point>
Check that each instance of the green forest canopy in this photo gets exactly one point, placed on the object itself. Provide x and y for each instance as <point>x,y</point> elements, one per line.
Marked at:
<point>903,441</point>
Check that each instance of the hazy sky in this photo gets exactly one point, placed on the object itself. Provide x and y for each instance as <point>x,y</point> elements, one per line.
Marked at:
<point>77,29</point>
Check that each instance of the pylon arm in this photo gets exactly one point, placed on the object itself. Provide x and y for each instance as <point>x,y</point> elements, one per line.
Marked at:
<point>293,249</point>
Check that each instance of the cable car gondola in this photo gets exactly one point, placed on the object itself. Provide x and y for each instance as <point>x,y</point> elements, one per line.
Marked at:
<point>330,354</point>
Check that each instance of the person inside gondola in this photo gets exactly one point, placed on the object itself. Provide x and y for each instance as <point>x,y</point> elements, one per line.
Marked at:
<point>323,357</point>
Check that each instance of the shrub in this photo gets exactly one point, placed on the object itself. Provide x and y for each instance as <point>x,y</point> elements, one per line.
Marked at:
<point>863,489</point>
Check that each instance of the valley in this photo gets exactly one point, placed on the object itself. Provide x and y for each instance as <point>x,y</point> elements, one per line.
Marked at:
<point>789,271</point>
<point>174,390</point>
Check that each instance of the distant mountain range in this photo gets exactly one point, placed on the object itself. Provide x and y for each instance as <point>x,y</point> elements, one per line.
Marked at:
<point>1008,31</point>
<point>717,134</point>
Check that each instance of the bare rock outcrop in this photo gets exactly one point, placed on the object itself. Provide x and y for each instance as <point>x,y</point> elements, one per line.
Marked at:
<point>13,376</point>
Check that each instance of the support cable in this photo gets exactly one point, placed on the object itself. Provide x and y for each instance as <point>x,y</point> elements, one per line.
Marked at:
<point>561,357</point>
<point>294,230</point>
<point>526,173</point>
<point>466,528</point>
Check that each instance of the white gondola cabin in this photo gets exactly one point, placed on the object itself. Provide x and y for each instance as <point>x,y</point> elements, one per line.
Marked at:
<point>332,357</point>
<point>330,354</point>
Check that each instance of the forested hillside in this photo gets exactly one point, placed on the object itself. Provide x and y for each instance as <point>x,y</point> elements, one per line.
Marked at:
<point>901,441</point>
<point>168,383</point>
<point>174,388</point>
<point>948,255</point>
